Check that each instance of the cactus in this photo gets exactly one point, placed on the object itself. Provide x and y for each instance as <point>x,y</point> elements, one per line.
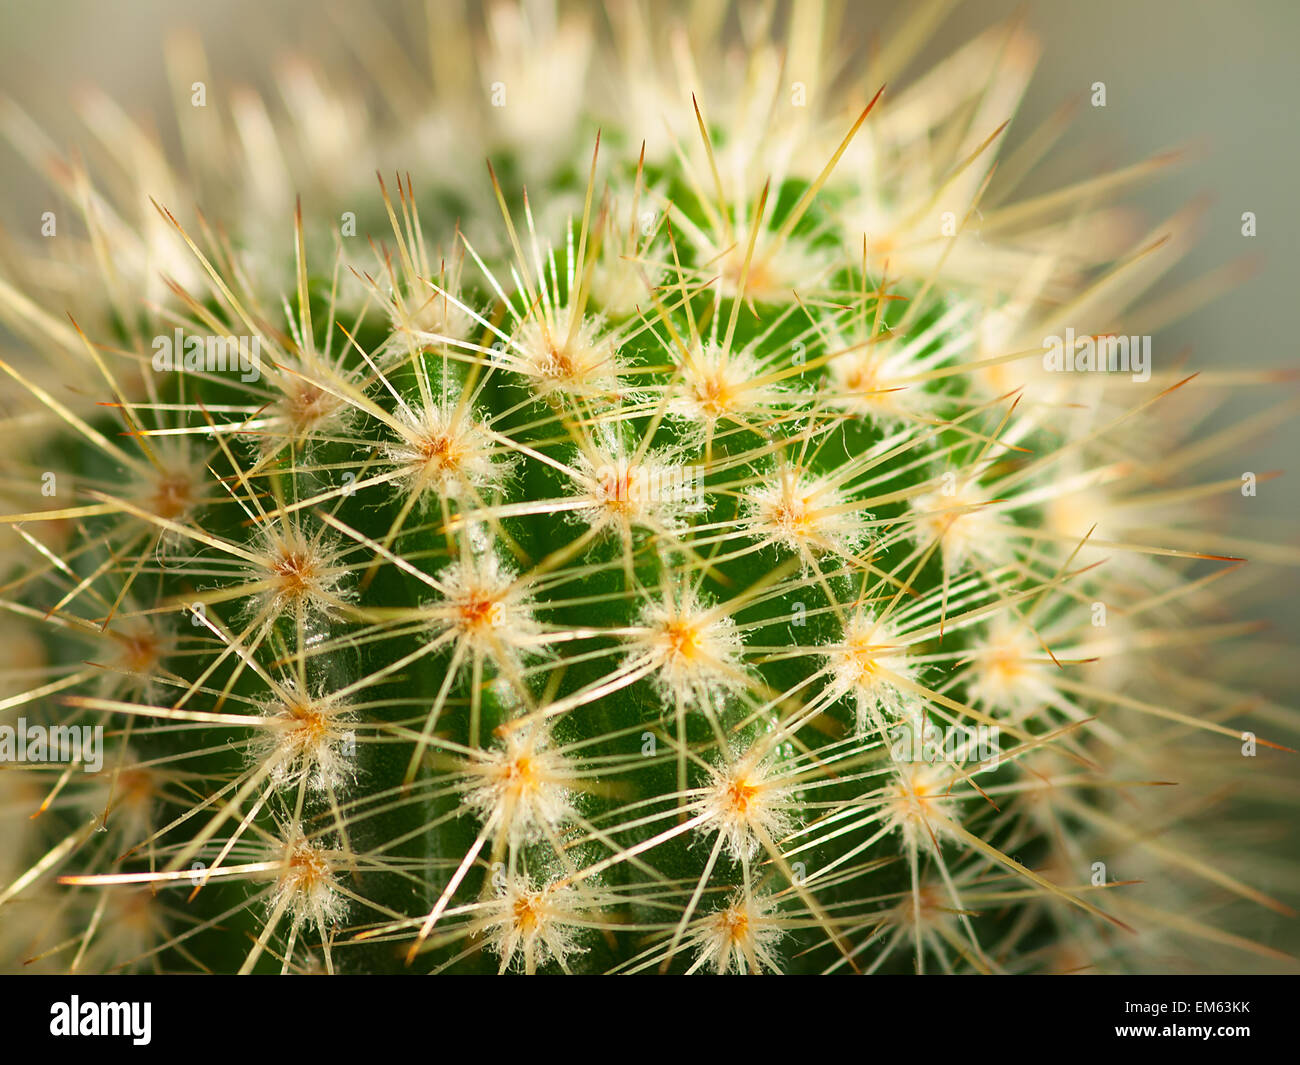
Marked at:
<point>672,551</point>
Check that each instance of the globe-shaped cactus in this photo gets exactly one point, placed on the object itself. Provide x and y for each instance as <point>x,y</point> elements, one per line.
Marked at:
<point>726,534</point>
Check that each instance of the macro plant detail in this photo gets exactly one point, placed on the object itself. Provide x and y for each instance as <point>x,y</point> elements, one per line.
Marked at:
<point>664,549</point>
